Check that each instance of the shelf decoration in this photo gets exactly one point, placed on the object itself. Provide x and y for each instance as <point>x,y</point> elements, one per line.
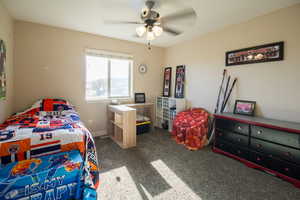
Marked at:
<point>2,70</point>
<point>263,53</point>
<point>179,84</point>
<point>167,82</point>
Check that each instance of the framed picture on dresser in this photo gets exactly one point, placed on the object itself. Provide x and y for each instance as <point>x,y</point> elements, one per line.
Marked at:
<point>243,107</point>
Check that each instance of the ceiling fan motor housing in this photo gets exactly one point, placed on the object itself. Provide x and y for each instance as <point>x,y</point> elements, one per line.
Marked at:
<point>149,15</point>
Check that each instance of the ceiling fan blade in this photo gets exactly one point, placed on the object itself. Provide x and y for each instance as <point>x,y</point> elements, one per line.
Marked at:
<point>136,36</point>
<point>121,22</point>
<point>186,13</point>
<point>171,31</point>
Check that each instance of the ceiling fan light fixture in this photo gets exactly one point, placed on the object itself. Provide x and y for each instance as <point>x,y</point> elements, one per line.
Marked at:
<point>157,30</point>
<point>150,35</point>
<point>140,31</point>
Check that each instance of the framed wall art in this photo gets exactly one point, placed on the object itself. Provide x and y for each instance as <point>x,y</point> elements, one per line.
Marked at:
<point>167,82</point>
<point>244,107</point>
<point>179,81</point>
<point>2,70</point>
<point>263,53</point>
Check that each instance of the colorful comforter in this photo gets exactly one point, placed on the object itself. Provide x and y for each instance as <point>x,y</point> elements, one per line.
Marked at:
<point>49,127</point>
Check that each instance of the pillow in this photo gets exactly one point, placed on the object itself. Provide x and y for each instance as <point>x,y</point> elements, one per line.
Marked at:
<point>53,105</point>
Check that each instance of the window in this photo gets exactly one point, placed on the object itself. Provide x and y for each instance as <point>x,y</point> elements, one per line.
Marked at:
<point>108,75</point>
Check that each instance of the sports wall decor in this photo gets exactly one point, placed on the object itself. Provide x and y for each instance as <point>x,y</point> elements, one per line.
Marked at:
<point>263,53</point>
<point>167,82</point>
<point>179,81</point>
<point>2,70</point>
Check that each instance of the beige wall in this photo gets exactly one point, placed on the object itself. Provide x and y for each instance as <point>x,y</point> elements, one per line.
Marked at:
<point>274,85</point>
<point>50,62</point>
<point>6,34</point>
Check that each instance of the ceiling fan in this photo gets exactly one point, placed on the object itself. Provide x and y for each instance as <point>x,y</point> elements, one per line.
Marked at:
<point>152,24</point>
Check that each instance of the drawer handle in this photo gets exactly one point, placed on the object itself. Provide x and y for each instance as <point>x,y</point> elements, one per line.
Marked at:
<point>258,145</point>
<point>258,159</point>
<point>288,154</point>
<point>239,139</point>
<point>220,134</point>
<point>259,132</point>
<point>239,127</point>
<point>286,169</point>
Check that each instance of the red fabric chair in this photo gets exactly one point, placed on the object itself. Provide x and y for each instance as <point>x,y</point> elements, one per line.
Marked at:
<point>190,128</point>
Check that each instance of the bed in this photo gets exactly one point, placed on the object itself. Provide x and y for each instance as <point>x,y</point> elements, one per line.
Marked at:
<point>45,138</point>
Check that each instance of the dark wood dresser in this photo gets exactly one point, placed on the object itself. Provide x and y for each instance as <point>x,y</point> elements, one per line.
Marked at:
<point>270,145</point>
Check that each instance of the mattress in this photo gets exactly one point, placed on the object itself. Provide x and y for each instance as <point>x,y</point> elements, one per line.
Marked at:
<point>49,126</point>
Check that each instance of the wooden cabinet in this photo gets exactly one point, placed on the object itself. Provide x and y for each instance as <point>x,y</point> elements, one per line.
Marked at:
<point>122,120</point>
<point>270,145</point>
<point>122,125</point>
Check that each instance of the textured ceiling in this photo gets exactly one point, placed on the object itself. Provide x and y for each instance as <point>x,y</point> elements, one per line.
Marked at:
<point>89,15</point>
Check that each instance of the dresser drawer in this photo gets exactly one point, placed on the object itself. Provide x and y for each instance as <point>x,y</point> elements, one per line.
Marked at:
<point>277,165</point>
<point>289,139</point>
<point>270,149</point>
<point>223,145</point>
<point>232,126</point>
<point>232,148</point>
<point>287,169</point>
<point>260,159</point>
<point>235,138</point>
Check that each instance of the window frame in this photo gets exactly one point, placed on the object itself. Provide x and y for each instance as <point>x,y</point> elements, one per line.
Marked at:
<point>109,56</point>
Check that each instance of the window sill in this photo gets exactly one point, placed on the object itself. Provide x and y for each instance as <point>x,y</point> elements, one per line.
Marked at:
<point>108,100</point>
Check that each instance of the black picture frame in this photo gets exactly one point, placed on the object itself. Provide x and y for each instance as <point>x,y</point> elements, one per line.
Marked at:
<point>258,54</point>
<point>3,77</point>
<point>167,82</point>
<point>139,98</point>
<point>179,81</point>
<point>240,111</point>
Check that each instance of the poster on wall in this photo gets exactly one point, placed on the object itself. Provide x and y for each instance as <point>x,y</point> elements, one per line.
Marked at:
<point>258,54</point>
<point>167,82</point>
<point>179,81</point>
<point>2,70</point>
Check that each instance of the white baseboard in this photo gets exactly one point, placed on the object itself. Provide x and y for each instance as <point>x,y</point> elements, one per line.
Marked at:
<point>99,133</point>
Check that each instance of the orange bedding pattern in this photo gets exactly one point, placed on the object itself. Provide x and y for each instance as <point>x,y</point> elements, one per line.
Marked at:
<point>190,128</point>
<point>50,126</point>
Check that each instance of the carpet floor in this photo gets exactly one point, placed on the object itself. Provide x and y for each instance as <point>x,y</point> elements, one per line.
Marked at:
<point>158,168</point>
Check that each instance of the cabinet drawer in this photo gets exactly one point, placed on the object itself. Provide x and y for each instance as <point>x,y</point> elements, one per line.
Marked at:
<point>235,138</point>
<point>232,148</point>
<point>270,149</point>
<point>277,165</point>
<point>289,139</point>
<point>287,169</point>
<point>232,126</point>
<point>260,159</point>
